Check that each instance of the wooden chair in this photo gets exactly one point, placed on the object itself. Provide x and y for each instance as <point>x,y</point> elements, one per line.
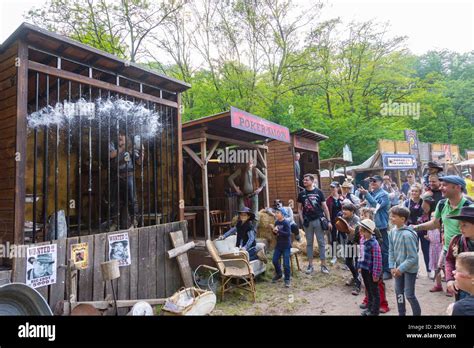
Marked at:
<point>219,221</point>
<point>237,268</point>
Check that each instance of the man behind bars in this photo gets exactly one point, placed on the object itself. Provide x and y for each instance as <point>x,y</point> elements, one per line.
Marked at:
<point>128,154</point>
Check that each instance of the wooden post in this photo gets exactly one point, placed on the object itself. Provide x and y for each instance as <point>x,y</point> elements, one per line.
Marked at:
<point>399,180</point>
<point>205,192</point>
<point>180,161</point>
<point>266,193</point>
<point>20,156</point>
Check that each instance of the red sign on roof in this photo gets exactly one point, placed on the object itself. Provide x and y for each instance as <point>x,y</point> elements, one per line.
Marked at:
<point>254,124</point>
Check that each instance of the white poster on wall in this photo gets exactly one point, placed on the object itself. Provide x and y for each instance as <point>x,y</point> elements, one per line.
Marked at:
<point>119,249</point>
<point>41,265</point>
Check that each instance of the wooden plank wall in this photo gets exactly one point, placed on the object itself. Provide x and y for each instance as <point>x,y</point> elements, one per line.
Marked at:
<point>151,274</point>
<point>8,111</point>
<point>281,172</point>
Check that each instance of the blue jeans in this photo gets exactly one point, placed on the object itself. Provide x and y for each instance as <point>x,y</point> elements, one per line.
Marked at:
<point>277,253</point>
<point>384,248</point>
<point>405,288</point>
<point>425,248</point>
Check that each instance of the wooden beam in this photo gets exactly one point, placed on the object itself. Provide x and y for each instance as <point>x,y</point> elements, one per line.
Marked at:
<point>236,142</point>
<point>180,250</point>
<point>180,162</point>
<point>21,135</point>
<point>193,155</point>
<point>97,83</point>
<point>205,193</point>
<point>194,141</point>
<point>264,162</point>
<point>213,149</point>
<point>194,207</point>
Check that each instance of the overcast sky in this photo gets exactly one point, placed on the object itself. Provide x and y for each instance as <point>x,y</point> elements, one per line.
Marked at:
<point>429,24</point>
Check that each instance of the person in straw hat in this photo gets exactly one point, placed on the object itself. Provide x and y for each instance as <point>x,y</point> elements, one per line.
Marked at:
<point>370,266</point>
<point>347,196</point>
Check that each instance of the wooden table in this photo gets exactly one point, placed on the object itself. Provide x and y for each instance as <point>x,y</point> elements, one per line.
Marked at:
<point>191,217</point>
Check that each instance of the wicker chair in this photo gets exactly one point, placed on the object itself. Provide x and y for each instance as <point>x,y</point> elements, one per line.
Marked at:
<point>237,268</point>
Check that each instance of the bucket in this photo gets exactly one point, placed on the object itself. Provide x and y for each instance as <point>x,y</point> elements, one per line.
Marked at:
<point>206,279</point>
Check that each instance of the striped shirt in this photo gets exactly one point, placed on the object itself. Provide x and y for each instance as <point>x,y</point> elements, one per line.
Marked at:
<point>403,250</point>
<point>371,260</point>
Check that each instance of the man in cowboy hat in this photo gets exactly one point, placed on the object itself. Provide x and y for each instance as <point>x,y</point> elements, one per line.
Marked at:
<point>460,243</point>
<point>41,266</point>
<point>432,168</point>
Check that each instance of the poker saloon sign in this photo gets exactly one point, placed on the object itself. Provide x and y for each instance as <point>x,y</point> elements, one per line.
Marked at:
<point>253,124</point>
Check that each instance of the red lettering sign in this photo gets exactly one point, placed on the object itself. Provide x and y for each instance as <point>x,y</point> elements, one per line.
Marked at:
<point>256,125</point>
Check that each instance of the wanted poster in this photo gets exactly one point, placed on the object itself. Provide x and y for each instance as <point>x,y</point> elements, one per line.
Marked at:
<point>41,265</point>
<point>119,249</point>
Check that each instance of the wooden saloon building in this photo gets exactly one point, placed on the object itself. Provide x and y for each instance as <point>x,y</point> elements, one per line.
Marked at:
<point>205,141</point>
<point>281,163</point>
<point>65,109</point>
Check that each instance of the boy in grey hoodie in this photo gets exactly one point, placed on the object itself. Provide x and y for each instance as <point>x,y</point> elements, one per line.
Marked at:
<point>403,259</point>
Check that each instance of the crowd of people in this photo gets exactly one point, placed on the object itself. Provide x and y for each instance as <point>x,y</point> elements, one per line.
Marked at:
<point>390,226</point>
<point>378,230</point>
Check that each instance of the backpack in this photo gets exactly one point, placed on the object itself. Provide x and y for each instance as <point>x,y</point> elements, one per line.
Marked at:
<point>442,204</point>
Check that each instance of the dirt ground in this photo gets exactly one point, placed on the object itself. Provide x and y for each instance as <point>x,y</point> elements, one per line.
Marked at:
<point>320,294</point>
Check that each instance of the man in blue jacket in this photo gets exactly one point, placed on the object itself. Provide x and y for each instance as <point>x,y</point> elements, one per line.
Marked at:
<point>378,198</point>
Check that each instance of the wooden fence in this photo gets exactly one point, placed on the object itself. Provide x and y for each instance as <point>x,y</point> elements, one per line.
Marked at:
<point>150,275</point>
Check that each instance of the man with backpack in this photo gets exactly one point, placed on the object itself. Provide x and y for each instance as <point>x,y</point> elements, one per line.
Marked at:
<point>452,187</point>
<point>314,213</point>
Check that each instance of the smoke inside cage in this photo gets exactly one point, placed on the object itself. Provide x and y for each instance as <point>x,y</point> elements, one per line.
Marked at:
<point>97,161</point>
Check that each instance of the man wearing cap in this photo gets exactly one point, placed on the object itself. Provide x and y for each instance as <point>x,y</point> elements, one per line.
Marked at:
<point>378,199</point>
<point>460,243</point>
<point>452,187</point>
